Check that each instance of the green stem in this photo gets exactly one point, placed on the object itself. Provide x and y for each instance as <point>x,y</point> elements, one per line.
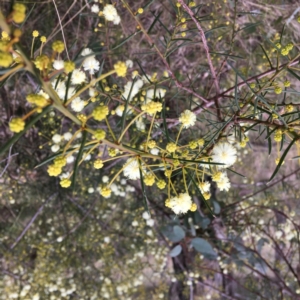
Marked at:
<point>110,130</point>
<point>70,141</point>
<point>179,134</point>
<point>151,125</point>
<point>130,123</point>
<point>16,68</point>
<point>31,52</point>
<point>186,189</point>
<point>91,84</point>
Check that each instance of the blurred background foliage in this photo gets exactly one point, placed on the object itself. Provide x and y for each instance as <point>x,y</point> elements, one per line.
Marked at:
<point>59,244</point>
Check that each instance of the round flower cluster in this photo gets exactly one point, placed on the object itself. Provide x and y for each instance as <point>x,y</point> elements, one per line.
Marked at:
<point>37,99</point>
<point>152,107</point>
<point>90,64</point>
<point>100,112</point>
<point>132,169</point>
<point>56,168</point>
<point>105,192</point>
<point>99,134</point>
<point>171,147</point>
<point>222,180</point>
<point>224,153</point>
<point>120,68</point>
<point>42,62</point>
<point>65,183</point>
<point>110,14</point>
<point>77,104</point>
<point>180,204</point>
<point>6,59</point>
<point>278,135</point>
<point>58,46</point>
<point>78,77</point>
<point>69,66</point>
<point>16,125</point>
<point>98,164</point>
<point>187,118</point>
<point>149,179</point>
<point>19,13</point>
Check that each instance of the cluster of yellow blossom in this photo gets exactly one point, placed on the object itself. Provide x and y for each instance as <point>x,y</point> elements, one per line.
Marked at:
<point>99,134</point>
<point>98,164</point>
<point>58,46</point>
<point>120,68</point>
<point>100,112</point>
<point>278,135</point>
<point>38,100</point>
<point>152,107</point>
<point>16,125</point>
<point>42,62</point>
<point>19,12</point>
<point>58,164</point>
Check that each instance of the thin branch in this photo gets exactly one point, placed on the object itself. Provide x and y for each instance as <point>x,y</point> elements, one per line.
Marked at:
<point>253,78</point>
<point>202,34</point>
<point>8,161</point>
<point>261,190</point>
<point>205,45</point>
<point>61,28</point>
<point>31,222</point>
<point>177,83</point>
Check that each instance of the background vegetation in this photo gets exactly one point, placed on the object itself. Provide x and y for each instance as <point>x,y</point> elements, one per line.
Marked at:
<point>222,60</point>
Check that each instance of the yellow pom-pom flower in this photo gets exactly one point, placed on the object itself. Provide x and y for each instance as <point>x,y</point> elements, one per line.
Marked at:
<point>18,14</point>
<point>171,147</point>
<point>19,7</point>
<point>193,145</point>
<point>278,90</point>
<point>99,134</point>
<point>120,68</point>
<point>35,33</point>
<point>100,112</point>
<point>161,184</point>
<point>149,179</point>
<point>60,161</point>
<point>58,46</point>
<point>65,183</point>
<point>112,152</point>
<point>98,164</point>
<point>193,207</point>
<point>278,135</point>
<point>38,100</point>
<point>6,59</point>
<point>289,108</point>
<point>105,192</point>
<point>69,66</point>
<point>16,125</point>
<point>201,142</point>
<point>42,62</point>
<point>151,144</point>
<point>187,118</point>
<point>152,107</point>
<point>54,170</point>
